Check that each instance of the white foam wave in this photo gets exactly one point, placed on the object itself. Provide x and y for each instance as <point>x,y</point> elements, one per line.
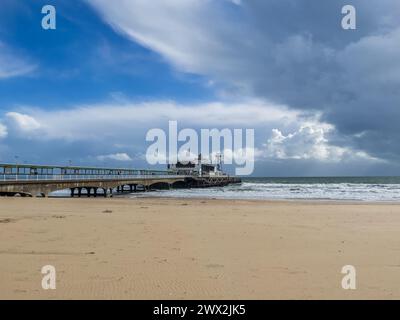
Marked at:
<point>322,191</point>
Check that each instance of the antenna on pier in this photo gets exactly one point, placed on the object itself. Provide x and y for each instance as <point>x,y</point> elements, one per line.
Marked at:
<point>220,158</point>
<point>200,165</point>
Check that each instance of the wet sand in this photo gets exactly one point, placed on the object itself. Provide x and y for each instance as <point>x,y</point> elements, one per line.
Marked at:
<point>197,249</point>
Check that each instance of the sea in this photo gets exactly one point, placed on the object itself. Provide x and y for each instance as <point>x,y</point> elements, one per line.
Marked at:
<point>369,189</point>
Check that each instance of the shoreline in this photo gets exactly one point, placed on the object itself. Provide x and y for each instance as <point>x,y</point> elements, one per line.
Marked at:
<point>157,248</point>
<point>134,196</point>
<point>314,200</point>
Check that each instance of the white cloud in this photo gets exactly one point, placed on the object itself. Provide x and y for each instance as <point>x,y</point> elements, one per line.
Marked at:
<point>116,156</point>
<point>253,48</point>
<point>128,123</point>
<point>22,122</point>
<point>306,62</point>
<point>11,65</point>
<point>176,29</point>
<point>3,131</point>
<point>95,122</point>
<point>310,143</point>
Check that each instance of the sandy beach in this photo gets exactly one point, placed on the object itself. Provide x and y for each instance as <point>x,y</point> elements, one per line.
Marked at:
<point>150,248</point>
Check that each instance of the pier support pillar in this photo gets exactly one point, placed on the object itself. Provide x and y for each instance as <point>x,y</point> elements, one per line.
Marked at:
<point>88,190</point>
<point>72,192</point>
<point>131,188</point>
<point>79,192</point>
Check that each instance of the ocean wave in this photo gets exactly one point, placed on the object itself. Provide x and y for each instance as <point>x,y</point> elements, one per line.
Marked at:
<point>285,191</point>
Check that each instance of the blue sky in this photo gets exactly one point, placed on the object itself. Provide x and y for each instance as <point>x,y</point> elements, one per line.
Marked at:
<point>84,60</point>
<point>322,100</point>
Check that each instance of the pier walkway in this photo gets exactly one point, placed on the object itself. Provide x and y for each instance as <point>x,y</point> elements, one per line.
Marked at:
<point>39,180</point>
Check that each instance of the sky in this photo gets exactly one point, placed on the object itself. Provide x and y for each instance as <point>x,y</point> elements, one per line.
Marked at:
<point>322,100</point>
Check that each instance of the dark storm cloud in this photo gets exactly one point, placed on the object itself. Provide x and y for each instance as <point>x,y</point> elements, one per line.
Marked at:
<point>293,52</point>
<point>310,62</point>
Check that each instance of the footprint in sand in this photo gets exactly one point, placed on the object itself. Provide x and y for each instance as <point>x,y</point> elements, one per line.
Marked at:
<point>19,291</point>
<point>214,265</point>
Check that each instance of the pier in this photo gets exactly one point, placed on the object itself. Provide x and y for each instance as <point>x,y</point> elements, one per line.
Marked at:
<point>41,180</point>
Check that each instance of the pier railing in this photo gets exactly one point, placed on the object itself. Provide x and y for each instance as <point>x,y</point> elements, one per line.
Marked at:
<point>30,172</point>
<point>56,177</point>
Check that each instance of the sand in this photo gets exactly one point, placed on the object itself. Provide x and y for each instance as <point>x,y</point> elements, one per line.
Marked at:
<point>197,249</point>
